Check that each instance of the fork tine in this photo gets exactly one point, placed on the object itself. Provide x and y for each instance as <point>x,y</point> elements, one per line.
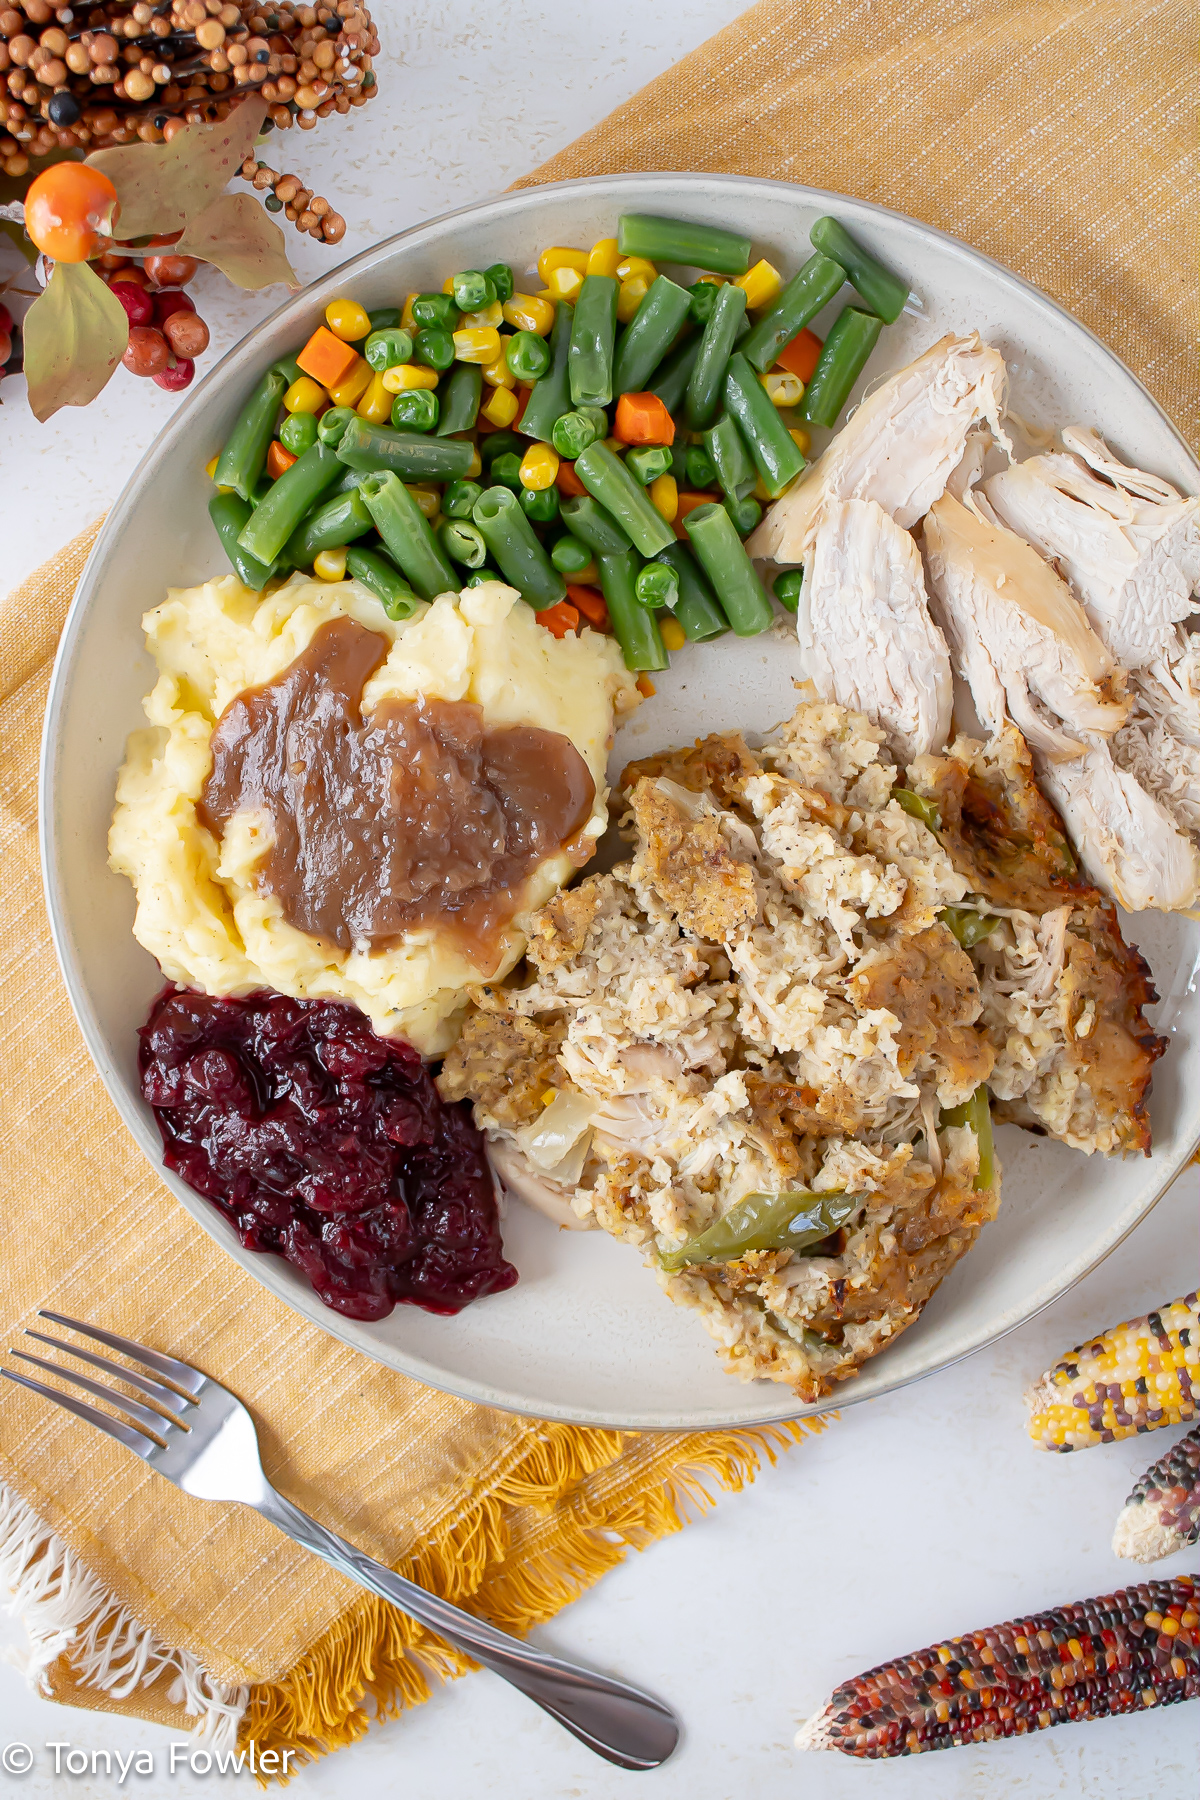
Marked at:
<point>164,1395</point>
<point>124,1434</point>
<point>181,1373</point>
<point>147,1421</point>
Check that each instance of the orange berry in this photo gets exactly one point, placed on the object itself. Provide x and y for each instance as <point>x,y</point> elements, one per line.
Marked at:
<point>70,210</point>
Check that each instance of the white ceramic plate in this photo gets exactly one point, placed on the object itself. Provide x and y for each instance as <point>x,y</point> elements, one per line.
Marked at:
<point>586,1334</point>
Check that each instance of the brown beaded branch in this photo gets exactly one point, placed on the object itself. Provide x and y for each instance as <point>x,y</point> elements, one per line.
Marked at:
<point>287,194</point>
<point>89,77</point>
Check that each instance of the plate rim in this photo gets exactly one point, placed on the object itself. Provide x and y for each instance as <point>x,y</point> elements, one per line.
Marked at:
<point>263,1268</point>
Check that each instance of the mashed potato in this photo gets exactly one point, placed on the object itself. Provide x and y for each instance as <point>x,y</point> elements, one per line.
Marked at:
<point>199,910</point>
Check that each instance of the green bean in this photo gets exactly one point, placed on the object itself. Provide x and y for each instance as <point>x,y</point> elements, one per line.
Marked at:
<point>229,514</point>
<point>459,497</point>
<point>918,807</point>
<point>551,396</point>
<point>777,456</point>
<point>730,458</point>
<point>851,340</point>
<point>745,514</point>
<point>699,468</point>
<point>634,625</point>
<point>298,433</point>
<point>570,555</point>
<point>378,573</point>
<point>408,535</point>
<point>792,1220</point>
<point>262,488</point>
<point>460,401</point>
<point>501,278</point>
<point>970,928</point>
<point>716,348</point>
<point>589,522</point>
<point>409,454</point>
<point>463,542</point>
<point>671,380</point>
<point>723,557</point>
<point>473,290</point>
<point>702,299</point>
<point>434,348</point>
<point>786,588</point>
<point>608,480</point>
<point>593,334</point>
<point>333,523</point>
<point>539,504</point>
<point>244,457</point>
<point>649,335</point>
<point>801,300</point>
<point>681,241</point>
<point>697,609</point>
<point>573,433</point>
<point>291,496</point>
<point>510,538</point>
<point>527,356</point>
<point>289,368</point>
<point>648,462</point>
<point>382,317</point>
<point>883,292</point>
<point>657,585</point>
<point>977,1113</point>
<point>436,310</point>
<point>386,349</point>
<point>349,478</point>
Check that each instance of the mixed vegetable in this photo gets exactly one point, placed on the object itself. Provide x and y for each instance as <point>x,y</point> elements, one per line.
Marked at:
<point>603,444</point>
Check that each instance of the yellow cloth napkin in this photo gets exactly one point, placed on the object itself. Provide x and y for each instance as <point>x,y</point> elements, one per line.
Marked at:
<point>1049,135</point>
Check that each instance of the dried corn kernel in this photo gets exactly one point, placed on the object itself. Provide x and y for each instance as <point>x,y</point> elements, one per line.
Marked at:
<point>782,388</point>
<point>305,396</point>
<point>761,284</point>
<point>664,497</point>
<point>477,346</point>
<point>403,376</point>
<point>556,257</point>
<point>1162,1514</point>
<point>376,403</point>
<point>630,295</point>
<point>525,312</point>
<point>603,257</point>
<point>636,268</point>
<point>330,565</point>
<point>492,316</point>
<point>354,383</point>
<point>501,408</point>
<point>347,320</point>
<point>1139,1375</point>
<point>498,373</point>
<point>539,466</point>
<point>1085,1661</point>
<point>673,635</point>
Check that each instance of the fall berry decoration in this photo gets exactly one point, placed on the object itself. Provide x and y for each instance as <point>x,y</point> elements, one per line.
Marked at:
<point>287,194</point>
<point>70,211</point>
<point>90,78</point>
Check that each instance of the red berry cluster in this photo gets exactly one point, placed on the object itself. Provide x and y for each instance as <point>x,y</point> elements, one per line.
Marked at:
<point>166,333</point>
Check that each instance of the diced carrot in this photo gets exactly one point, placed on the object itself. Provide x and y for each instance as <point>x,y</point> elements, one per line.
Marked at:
<point>278,459</point>
<point>327,358</point>
<point>567,481</point>
<point>590,604</point>
<point>559,619</point>
<point>688,503</point>
<point>800,356</point>
<point>643,419</point>
<point>524,393</point>
<point>645,687</point>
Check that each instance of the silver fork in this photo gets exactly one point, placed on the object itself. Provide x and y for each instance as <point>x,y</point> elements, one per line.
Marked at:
<point>201,1437</point>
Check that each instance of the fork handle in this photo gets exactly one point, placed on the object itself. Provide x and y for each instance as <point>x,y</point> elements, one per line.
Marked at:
<point>620,1723</point>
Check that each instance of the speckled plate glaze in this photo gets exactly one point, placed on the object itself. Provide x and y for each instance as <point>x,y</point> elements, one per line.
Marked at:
<point>586,1336</point>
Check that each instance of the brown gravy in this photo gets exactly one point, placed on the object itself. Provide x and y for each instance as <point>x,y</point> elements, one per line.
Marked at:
<point>419,815</point>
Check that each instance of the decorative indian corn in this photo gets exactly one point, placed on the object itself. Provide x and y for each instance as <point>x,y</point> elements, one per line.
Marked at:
<point>1121,1653</point>
<point>1136,1377</point>
<point>1162,1514</point>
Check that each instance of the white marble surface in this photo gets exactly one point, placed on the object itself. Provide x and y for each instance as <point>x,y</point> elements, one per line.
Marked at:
<point>916,1515</point>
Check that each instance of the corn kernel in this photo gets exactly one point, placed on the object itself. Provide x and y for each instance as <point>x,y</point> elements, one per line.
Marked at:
<point>525,312</point>
<point>617,445</point>
<point>407,322</point>
<point>603,257</point>
<point>492,315</point>
<point>549,1094</point>
<point>376,403</point>
<point>762,284</point>
<point>305,396</point>
<point>589,577</point>
<point>673,635</point>
<point>564,284</point>
<point>539,466</point>
<point>448,285</point>
<point>782,387</point>
<point>475,466</point>
<point>498,373</point>
<point>630,296</point>
<point>712,280</point>
<point>210,468</point>
<point>636,268</point>
<point>557,256</point>
<point>403,376</point>
<point>501,408</point>
<point>802,439</point>
<point>353,385</point>
<point>428,499</point>
<point>347,320</point>
<point>664,496</point>
<point>476,346</point>
<point>330,565</point>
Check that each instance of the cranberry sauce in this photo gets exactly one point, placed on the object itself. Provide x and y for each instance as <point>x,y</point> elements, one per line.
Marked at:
<point>327,1144</point>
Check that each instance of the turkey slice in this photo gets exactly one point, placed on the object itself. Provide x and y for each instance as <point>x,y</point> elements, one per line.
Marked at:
<point>1127,842</point>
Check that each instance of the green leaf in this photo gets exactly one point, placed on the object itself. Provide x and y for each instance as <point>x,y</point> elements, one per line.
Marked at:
<point>75,335</point>
<point>238,237</point>
<point>162,186</point>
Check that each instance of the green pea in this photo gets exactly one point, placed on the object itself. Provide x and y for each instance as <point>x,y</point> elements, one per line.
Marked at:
<point>434,347</point>
<point>786,588</point>
<point>459,497</point>
<point>598,417</point>
<point>571,434</point>
<point>298,433</point>
<point>480,576</point>
<point>539,504</point>
<point>332,423</point>
<point>473,290</point>
<point>704,298</point>
<point>569,556</point>
<point>698,468</point>
<point>657,585</point>
<point>384,349</point>
<point>383,316</point>
<point>498,443</point>
<point>416,409</point>
<point>527,355</point>
<point>435,310</point>
<point>260,490</point>
<point>648,463</point>
<point>744,513</point>
<point>506,469</point>
<point>501,278</point>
